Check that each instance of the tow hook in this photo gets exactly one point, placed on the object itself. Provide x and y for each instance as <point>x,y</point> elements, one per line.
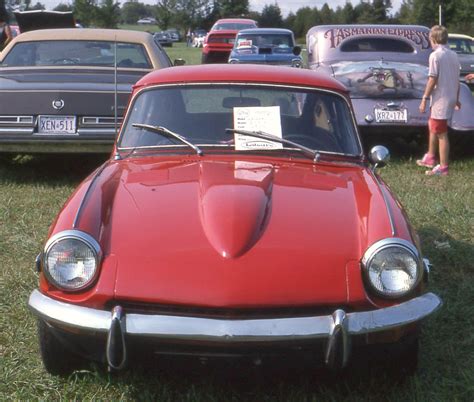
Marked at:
<point>116,351</point>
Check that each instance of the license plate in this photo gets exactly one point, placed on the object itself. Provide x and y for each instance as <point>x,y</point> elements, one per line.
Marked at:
<point>57,125</point>
<point>391,116</point>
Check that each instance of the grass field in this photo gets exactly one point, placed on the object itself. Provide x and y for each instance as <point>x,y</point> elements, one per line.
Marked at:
<point>32,191</point>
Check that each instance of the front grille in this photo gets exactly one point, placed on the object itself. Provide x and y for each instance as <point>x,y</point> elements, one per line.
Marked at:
<point>221,39</point>
<point>16,120</point>
<point>224,312</point>
<point>100,121</point>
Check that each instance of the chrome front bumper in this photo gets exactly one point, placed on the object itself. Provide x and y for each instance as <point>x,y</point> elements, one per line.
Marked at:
<point>336,328</point>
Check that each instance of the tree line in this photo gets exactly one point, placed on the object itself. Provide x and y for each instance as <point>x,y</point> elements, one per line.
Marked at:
<point>457,15</point>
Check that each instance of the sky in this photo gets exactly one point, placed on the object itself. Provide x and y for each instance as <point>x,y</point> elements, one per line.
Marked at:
<point>257,5</point>
<point>293,5</point>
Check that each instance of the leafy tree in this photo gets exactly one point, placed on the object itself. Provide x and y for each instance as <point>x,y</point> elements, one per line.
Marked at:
<point>85,11</point>
<point>271,17</point>
<point>108,15</point>
<point>326,14</point>
<point>63,7</point>
<point>132,11</point>
<point>463,18</point>
<point>405,14</point>
<point>164,13</point>
<point>38,6</point>
<point>345,15</point>
<point>380,11</point>
<point>233,8</point>
<point>364,13</point>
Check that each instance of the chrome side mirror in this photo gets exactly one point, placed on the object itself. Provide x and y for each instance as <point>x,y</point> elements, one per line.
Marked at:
<point>379,156</point>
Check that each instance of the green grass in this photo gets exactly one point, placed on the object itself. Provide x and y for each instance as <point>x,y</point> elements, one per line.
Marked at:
<point>32,191</point>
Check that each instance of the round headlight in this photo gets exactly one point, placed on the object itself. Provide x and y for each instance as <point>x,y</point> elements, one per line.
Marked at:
<point>392,267</point>
<point>71,260</point>
<point>297,63</point>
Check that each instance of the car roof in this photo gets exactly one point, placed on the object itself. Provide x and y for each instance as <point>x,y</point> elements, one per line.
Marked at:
<point>459,36</point>
<point>265,31</point>
<point>109,35</point>
<point>84,34</point>
<point>234,73</point>
<point>235,20</point>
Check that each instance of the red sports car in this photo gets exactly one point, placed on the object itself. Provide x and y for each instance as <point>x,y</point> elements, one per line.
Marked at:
<point>220,40</point>
<point>237,216</point>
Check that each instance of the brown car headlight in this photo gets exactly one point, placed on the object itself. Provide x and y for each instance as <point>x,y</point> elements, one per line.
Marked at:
<point>71,260</point>
<point>392,267</point>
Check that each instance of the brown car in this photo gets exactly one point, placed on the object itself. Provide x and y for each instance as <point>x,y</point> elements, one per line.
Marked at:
<point>59,87</point>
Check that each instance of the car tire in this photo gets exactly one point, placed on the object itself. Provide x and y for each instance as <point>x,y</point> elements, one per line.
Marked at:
<point>57,358</point>
<point>205,59</point>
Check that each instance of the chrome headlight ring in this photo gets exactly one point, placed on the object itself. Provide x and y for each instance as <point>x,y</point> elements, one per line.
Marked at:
<point>71,260</point>
<point>298,63</point>
<point>392,268</point>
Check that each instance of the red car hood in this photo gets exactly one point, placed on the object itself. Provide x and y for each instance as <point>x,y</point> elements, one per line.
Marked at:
<point>234,233</point>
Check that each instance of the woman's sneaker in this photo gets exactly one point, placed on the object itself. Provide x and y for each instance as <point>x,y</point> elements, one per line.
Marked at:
<point>427,161</point>
<point>438,170</point>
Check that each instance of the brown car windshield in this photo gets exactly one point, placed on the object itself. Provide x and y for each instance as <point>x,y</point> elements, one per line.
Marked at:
<point>318,120</point>
<point>77,52</point>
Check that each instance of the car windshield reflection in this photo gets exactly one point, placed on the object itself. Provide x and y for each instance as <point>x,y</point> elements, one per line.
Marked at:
<point>318,120</point>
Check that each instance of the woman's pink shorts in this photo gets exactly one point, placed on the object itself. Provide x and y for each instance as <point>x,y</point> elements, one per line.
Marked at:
<point>438,126</point>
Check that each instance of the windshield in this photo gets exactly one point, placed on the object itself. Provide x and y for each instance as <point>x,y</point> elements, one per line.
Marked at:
<point>77,52</point>
<point>202,113</point>
<point>235,26</point>
<point>461,45</point>
<point>281,42</point>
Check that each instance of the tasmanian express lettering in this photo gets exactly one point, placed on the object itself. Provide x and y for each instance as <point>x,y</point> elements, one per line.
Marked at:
<point>337,35</point>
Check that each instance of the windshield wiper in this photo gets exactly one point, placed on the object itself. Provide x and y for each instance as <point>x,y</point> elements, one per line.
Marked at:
<point>168,133</point>
<point>313,154</point>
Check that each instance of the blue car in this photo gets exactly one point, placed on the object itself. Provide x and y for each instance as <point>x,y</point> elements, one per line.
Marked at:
<point>266,46</point>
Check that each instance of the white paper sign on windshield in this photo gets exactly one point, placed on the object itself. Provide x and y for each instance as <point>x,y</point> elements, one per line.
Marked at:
<point>266,119</point>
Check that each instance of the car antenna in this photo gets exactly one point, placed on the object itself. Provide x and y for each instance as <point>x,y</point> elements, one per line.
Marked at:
<point>117,155</point>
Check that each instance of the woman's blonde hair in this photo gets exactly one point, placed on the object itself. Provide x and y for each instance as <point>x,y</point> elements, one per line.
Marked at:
<point>439,34</point>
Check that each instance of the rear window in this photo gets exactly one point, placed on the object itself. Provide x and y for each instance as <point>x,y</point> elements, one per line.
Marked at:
<point>236,26</point>
<point>376,45</point>
<point>81,53</point>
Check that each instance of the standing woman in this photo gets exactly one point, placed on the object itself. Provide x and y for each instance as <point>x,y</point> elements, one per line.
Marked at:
<point>5,31</point>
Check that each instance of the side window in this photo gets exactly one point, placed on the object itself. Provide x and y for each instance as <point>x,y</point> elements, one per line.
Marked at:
<point>165,60</point>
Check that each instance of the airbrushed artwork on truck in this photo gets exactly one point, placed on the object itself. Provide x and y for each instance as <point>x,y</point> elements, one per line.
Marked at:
<point>386,79</point>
